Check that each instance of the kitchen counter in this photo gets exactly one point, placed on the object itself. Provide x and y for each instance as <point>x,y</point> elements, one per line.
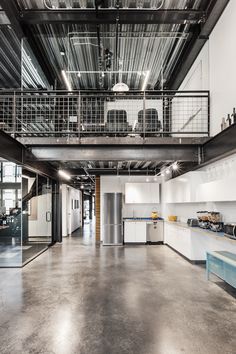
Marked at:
<point>143,229</point>
<point>142,219</point>
<point>199,230</point>
<point>194,242</point>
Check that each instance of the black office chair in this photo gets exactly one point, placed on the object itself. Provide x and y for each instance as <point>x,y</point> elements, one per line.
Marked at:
<point>117,123</point>
<point>152,123</point>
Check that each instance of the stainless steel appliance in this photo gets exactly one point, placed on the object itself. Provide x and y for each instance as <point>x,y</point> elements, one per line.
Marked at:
<point>112,233</point>
<point>216,226</point>
<point>155,231</point>
<point>193,222</point>
<point>230,230</point>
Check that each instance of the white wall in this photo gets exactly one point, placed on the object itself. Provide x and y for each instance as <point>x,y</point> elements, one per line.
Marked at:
<point>215,68</point>
<point>71,218</point>
<point>198,76</point>
<point>38,225</point>
<point>114,184</point>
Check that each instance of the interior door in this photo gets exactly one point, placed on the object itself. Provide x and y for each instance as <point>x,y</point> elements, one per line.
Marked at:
<point>69,210</point>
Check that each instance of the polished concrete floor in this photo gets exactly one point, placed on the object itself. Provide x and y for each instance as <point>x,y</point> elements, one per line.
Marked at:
<point>77,298</point>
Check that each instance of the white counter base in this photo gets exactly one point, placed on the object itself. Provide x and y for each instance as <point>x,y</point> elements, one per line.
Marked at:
<point>193,243</point>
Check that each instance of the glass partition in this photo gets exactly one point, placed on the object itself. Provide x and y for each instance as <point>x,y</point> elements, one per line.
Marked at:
<point>10,215</point>
<point>36,217</point>
<point>25,214</point>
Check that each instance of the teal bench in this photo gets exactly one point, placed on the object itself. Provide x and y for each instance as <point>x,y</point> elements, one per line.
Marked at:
<point>222,264</point>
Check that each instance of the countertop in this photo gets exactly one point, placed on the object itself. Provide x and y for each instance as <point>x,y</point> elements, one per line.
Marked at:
<point>217,235</point>
<point>142,219</point>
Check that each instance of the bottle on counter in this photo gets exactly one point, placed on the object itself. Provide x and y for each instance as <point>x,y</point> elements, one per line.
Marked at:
<point>228,120</point>
<point>234,116</point>
<point>223,124</point>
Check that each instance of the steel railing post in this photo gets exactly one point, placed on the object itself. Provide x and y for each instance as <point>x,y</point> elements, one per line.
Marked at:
<point>144,114</point>
<point>14,115</point>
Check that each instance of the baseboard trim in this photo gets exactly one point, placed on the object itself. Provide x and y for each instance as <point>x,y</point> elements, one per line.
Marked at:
<point>187,259</point>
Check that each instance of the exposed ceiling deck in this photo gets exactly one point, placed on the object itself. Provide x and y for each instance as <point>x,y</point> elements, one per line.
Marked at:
<point>142,38</point>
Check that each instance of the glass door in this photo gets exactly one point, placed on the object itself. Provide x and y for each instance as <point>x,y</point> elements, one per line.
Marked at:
<point>37,214</point>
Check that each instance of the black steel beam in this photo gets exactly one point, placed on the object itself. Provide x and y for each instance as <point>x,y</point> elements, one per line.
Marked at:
<point>107,141</point>
<point>220,146</point>
<point>12,150</point>
<point>11,10</point>
<point>116,153</point>
<point>215,10</point>
<point>108,16</point>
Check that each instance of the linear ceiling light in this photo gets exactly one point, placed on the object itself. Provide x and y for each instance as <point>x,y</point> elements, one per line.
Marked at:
<point>64,174</point>
<point>66,80</point>
<point>146,80</point>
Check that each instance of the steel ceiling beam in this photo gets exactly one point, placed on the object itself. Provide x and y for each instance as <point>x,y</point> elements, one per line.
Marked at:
<point>220,146</point>
<point>100,140</point>
<point>109,171</point>
<point>198,40</point>
<point>12,150</point>
<point>116,153</point>
<point>11,10</point>
<point>108,16</point>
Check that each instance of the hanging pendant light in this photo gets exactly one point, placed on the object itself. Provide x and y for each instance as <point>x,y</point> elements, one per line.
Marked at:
<point>120,87</point>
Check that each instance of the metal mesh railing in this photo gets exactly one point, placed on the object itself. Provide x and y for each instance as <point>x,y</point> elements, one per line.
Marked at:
<point>83,113</point>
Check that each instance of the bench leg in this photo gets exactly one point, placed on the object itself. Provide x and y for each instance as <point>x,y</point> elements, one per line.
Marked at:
<point>207,272</point>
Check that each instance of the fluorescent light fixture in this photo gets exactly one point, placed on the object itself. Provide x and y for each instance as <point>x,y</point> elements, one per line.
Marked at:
<point>64,174</point>
<point>120,87</point>
<point>146,80</point>
<point>134,124</point>
<point>66,80</point>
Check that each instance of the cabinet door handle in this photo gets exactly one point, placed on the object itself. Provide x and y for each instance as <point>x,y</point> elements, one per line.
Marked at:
<point>48,216</point>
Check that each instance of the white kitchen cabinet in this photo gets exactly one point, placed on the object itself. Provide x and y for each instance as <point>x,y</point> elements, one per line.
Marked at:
<point>140,231</point>
<point>193,188</point>
<point>179,238</point>
<point>129,232</point>
<point>135,231</point>
<point>142,193</point>
<point>193,243</point>
<point>183,189</point>
<point>221,190</point>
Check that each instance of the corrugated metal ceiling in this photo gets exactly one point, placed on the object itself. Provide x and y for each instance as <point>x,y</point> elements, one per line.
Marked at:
<point>142,47</point>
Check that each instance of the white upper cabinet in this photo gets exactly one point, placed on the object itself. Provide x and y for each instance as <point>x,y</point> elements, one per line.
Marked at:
<point>222,190</point>
<point>193,188</point>
<point>142,193</point>
<point>183,189</point>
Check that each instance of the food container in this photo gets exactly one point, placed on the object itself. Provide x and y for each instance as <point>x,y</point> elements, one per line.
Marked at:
<point>214,216</point>
<point>203,215</point>
<point>154,215</point>
<point>172,218</point>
